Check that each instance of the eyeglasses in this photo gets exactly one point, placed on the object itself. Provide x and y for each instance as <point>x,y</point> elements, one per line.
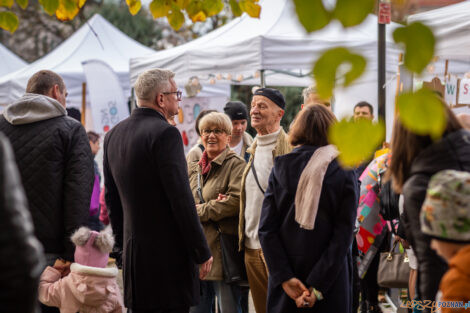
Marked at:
<point>178,93</point>
<point>217,132</point>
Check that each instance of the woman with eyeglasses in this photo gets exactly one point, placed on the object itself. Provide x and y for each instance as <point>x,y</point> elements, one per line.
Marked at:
<point>215,182</point>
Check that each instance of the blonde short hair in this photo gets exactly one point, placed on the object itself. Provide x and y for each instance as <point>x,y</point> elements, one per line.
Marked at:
<point>217,119</point>
<point>151,82</point>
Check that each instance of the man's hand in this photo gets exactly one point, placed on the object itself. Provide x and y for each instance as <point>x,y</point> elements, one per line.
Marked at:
<point>306,300</point>
<point>294,288</point>
<point>205,268</point>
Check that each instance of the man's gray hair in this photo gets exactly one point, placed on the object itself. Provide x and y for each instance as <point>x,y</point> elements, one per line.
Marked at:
<point>151,82</point>
<point>307,92</point>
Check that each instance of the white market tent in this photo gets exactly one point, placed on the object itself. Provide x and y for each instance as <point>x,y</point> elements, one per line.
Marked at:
<point>9,62</point>
<point>276,42</point>
<point>97,39</point>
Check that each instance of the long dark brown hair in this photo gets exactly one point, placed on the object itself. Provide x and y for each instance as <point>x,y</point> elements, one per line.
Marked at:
<point>406,146</point>
<point>311,126</point>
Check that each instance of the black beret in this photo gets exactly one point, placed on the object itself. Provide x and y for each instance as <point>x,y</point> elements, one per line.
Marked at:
<point>236,110</point>
<point>272,94</point>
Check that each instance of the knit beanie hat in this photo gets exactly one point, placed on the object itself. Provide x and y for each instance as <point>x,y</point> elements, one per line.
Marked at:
<point>236,110</point>
<point>93,248</point>
<point>272,94</point>
<point>445,214</point>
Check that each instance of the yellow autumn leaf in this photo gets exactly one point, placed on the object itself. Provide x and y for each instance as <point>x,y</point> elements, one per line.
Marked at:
<point>134,6</point>
<point>176,19</point>
<point>8,21</point>
<point>50,6</point>
<point>67,10</point>
<point>81,3</point>
<point>22,3</point>
<point>199,17</point>
<point>6,3</point>
<point>250,7</point>
<point>159,8</point>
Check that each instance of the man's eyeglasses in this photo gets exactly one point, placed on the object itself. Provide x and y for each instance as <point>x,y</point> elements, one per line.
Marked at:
<point>207,132</point>
<point>178,93</point>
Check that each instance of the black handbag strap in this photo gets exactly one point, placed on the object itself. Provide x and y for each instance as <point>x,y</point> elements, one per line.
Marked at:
<point>199,188</point>
<point>256,175</point>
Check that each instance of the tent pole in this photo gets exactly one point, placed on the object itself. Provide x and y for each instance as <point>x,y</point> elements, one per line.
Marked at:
<point>262,79</point>
<point>382,71</point>
<point>83,103</point>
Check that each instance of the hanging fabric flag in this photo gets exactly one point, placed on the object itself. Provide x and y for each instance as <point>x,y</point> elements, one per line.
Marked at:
<point>108,103</point>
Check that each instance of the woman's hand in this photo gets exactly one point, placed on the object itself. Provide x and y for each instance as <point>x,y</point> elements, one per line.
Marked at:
<point>294,288</point>
<point>221,197</point>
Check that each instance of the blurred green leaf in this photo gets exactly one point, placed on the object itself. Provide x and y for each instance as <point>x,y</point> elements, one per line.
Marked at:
<point>250,7</point>
<point>419,44</point>
<point>159,8</point>
<point>212,7</point>
<point>352,12</point>
<point>50,6</point>
<point>312,14</point>
<point>22,3</point>
<point>182,4</point>
<point>356,141</point>
<point>8,21</point>
<point>176,19</point>
<point>422,113</point>
<point>235,8</point>
<point>6,3</point>
<point>326,67</point>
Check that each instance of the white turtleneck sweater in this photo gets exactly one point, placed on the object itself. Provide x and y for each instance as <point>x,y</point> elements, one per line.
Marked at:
<point>254,197</point>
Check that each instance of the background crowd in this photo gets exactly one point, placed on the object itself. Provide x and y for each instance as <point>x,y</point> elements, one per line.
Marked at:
<point>276,215</point>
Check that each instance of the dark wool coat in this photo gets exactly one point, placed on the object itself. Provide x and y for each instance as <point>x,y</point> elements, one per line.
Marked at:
<point>153,213</point>
<point>451,152</point>
<point>320,258</point>
<point>56,166</point>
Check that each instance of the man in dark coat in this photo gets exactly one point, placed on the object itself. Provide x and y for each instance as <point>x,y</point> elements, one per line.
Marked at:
<point>22,258</point>
<point>151,207</point>
<point>55,163</point>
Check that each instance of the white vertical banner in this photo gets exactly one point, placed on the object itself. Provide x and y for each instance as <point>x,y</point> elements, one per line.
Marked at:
<point>108,103</point>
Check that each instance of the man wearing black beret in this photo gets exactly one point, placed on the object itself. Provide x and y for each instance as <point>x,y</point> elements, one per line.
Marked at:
<point>240,140</point>
<point>267,110</point>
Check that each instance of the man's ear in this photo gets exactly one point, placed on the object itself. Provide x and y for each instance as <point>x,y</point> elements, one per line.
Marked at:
<point>281,113</point>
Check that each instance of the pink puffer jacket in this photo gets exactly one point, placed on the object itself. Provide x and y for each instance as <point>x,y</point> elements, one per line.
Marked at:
<point>86,290</point>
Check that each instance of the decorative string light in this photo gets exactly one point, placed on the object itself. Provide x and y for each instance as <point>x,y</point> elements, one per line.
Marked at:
<point>229,76</point>
<point>240,78</point>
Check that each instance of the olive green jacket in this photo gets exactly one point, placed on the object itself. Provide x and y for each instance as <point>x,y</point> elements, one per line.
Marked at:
<point>282,147</point>
<point>224,178</point>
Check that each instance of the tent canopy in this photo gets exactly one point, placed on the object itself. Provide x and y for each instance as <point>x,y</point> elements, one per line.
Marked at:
<point>97,39</point>
<point>9,62</point>
<point>275,41</point>
<point>451,27</point>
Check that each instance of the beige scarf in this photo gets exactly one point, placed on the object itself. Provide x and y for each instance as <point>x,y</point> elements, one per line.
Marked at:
<point>310,184</point>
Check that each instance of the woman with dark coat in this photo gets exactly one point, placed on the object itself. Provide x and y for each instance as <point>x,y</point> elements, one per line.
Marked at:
<point>306,242</point>
<point>415,159</point>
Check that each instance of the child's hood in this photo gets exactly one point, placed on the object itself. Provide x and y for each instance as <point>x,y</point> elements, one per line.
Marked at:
<point>92,285</point>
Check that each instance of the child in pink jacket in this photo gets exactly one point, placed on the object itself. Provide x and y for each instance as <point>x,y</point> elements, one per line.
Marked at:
<point>90,287</point>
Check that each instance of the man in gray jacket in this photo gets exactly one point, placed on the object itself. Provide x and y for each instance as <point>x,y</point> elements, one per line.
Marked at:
<point>54,160</point>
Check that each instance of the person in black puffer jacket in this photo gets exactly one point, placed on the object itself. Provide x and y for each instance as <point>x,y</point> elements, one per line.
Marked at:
<point>55,162</point>
<point>22,258</point>
<point>414,160</point>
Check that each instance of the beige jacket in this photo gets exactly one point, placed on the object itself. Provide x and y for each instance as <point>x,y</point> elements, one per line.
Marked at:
<point>282,147</point>
<point>224,177</point>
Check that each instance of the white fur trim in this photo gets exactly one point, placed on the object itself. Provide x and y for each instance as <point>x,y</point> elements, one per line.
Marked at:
<point>105,240</point>
<point>98,271</point>
<point>81,236</point>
